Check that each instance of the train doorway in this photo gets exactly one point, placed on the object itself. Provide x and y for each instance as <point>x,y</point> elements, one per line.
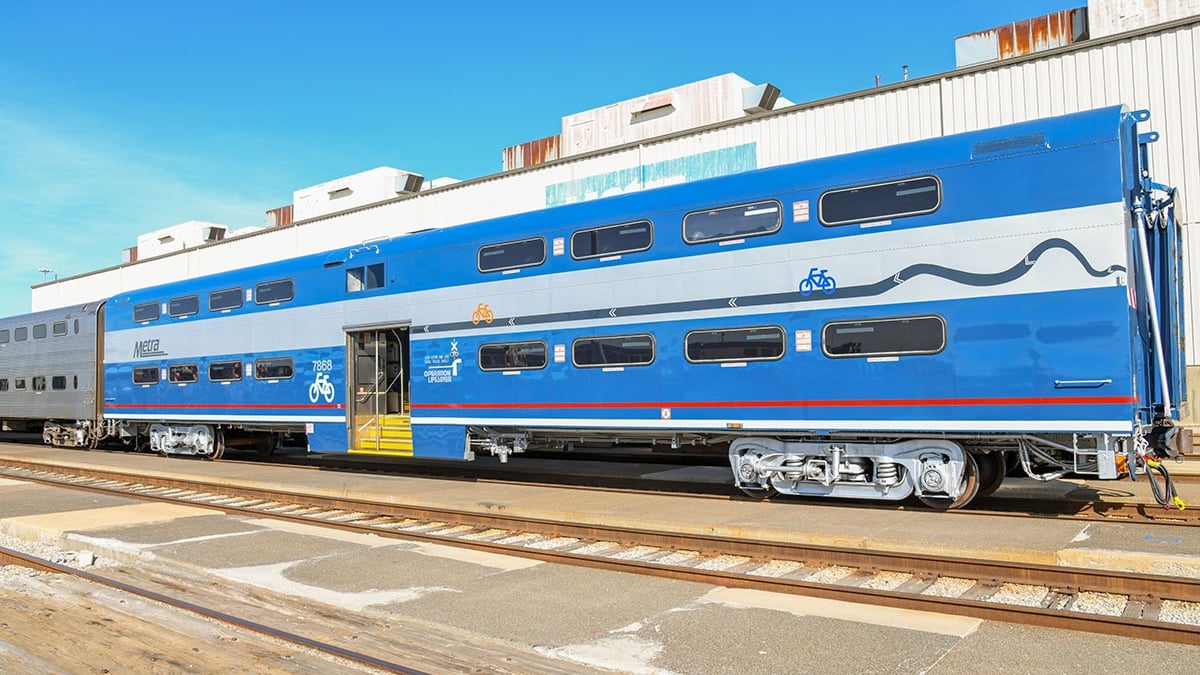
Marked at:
<point>379,391</point>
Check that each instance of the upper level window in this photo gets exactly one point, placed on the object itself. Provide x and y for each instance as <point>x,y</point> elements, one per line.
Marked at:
<point>185,306</point>
<point>183,373</point>
<point>513,356</point>
<point>512,255</point>
<point>224,300</point>
<point>21,334</point>
<point>39,331</point>
<point>4,336</point>
<point>761,343</point>
<point>364,278</point>
<point>225,371</point>
<point>147,311</point>
<point>733,222</point>
<point>274,369</point>
<point>145,375</point>
<point>884,337</point>
<point>58,328</point>
<point>621,350</point>
<point>881,201</point>
<point>274,291</point>
<point>612,240</point>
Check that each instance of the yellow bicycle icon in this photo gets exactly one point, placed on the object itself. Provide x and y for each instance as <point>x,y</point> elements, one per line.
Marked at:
<point>482,313</point>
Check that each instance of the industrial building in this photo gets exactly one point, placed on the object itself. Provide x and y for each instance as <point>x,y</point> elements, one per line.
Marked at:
<point>1142,54</point>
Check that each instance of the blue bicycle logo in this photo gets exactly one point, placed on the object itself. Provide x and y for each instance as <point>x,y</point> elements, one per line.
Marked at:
<point>817,278</point>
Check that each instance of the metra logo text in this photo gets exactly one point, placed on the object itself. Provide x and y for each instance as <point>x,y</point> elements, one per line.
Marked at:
<point>147,348</point>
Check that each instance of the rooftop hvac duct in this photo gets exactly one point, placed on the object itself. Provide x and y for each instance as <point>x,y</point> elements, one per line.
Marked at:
<point>760,98</point>
<point>408,183</point>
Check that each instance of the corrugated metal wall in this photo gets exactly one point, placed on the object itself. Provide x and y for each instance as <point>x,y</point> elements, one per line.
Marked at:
<point>1152,69</point>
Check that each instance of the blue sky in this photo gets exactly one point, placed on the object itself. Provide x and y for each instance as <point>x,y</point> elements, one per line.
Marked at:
<point>122,117</point>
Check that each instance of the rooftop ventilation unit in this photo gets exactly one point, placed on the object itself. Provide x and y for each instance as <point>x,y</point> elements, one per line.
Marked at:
<point>760,98</point>
<point>212,234</point>
<point>408,183</point>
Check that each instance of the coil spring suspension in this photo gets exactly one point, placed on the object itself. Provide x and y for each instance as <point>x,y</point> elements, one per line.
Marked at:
<point>887,473</point>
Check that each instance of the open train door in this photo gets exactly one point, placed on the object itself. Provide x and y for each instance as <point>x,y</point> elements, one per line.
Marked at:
<point>377,360</point>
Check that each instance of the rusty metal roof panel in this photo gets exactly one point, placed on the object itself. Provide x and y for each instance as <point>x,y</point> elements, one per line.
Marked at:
<point>531,153</point>
<point>1022,37</point>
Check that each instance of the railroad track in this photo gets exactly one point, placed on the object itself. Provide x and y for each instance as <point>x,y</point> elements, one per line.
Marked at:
<point>1117,603</point>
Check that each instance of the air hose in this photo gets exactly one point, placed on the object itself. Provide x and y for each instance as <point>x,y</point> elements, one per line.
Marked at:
<point>1164,493</point>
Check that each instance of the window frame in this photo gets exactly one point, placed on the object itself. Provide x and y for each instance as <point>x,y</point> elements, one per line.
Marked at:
<point>38,383</point>
<point>40,328</point>
<point>742,235</point>
<point>649,226</point>
<point>55,326</point>
<point>21,334</point>
<point>782,342</point>
<point>157,312</point>
<point>56,380</point>
<point>195,309</point>
<point>3,384</point>
<point>237,362</point>
<point>5,336</point>
<point>19,384</point>
<point>275,301</point>
<point>291,363</point>
<point>144,370</point>
<point>366,276</point>
<point>883,216</point>
<point>653,350</point>
<point>238,291</point>
<point>892,319</point>
<point>479,255</point>
<point>183,368</point>
<point>505,345</point>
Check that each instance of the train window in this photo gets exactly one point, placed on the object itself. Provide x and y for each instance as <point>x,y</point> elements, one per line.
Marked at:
<point>512,255</point>
<point>620,350</point>
<point>39,331</point>
<point>733,222</point>
<point>274,291</point>
<point>58,328</point>
<point>147,311</point>
<point>19,384</point>
<point>20,334</point>
<point>185,306</point>
<point>880,201</point>
<point>612,240</point>
<point>761,343</point>
<point>884,337</point>
<point>225,371</point>
<point>230,298</point>
<point>364,278</point>
<point>274,369</point>
<point>183,373</point>
<point>145,375</point>
<point>58,382</point>
<point>4,384</point>
<point>75,382</point>
<point>77,326</point>
<point>39,383</point>
<point>513,356</point>
<point>4,335</point>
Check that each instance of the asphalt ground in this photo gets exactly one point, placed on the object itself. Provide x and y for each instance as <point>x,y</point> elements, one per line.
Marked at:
<point>601,619</point>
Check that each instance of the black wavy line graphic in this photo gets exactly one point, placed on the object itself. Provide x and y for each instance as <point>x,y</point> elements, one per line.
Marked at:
<point>880,287</point>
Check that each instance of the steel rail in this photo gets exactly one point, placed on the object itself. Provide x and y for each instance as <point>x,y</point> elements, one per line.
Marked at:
<point>11,557</point>
<point>1139,588</point>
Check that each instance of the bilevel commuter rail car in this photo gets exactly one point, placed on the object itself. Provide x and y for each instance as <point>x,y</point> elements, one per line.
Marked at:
<point>910,320</point>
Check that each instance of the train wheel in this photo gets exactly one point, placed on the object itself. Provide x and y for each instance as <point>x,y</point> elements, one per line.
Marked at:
<point>970,487</point>
<point>218,445</point>
<point>992,468</point>
<point>759,492</point>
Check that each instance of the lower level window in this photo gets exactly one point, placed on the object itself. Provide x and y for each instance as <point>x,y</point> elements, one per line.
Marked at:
<point>39,383</point>
<point>620,350</point>
<point>513,356</point>
<point>145,375</point>
<point>58,382</point>
<point>225,371</point>
<point>274,369</point>
<point>735,344</point>
<point>183,373</point>
<point>884,337</point>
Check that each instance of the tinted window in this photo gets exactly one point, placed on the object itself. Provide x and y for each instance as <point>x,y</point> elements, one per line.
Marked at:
<point>39,331</point>
<point>273,369</point>
<point>58,382</point>
<point>147,311</point>
<point>183,373</point>
<point>745,220</point>
<point>58,329</point>
<point>514,254</point>
<point>19,384</point>
<point>4,335</point>
<point>230,298</point>
<point>185,306</point>
<point>145,375</point>
<point>364,278</point>
<point>21,334</point>
<point>225,371</point>
<point>77,326</point>
<point>884,337</point>
<point>881,201</point>
<point>612,240</point>
<point>274,291</point>
<point>624,350</point>
<point>513,356</point>
<point>735,344</point>
<point>39,383</point>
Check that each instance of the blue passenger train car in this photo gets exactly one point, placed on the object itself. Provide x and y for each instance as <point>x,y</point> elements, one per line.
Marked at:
<point>880,324</point>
